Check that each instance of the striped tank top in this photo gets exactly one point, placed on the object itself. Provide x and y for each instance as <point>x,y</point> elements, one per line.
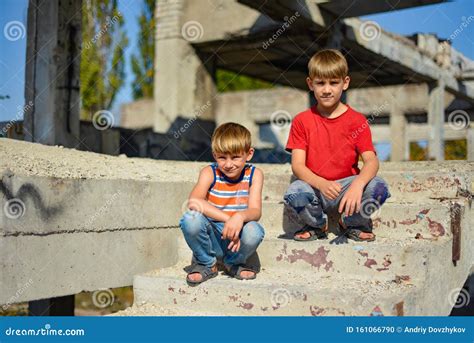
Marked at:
<point>228,195</point>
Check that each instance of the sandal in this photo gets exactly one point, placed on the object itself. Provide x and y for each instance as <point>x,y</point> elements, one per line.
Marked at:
<point>314,233</point>
<point>351,233</point>
<point>235,271</point>
<point>354,234</point>
<point>206,273</point>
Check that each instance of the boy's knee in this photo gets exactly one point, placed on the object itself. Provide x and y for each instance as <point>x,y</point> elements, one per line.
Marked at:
<point>252,233</point>
<point>192,222</point>
<point>299,201</point>
<point>299,186</point>
<point>378,190</point>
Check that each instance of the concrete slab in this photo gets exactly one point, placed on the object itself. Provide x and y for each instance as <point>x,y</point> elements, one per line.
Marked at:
<point>392,220</point>
<point>37,267</point>
<point>275,292</point>
<point>384,259</point>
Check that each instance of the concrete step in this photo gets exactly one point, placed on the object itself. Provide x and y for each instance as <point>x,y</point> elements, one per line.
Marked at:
<point>410,186</point>
<point>275,292</point>
<point>383,259</point>
<point>392,220</point>
<point>144,309</point>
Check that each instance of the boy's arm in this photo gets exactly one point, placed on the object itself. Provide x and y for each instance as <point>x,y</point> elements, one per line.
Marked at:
<point>254,210</point>
<point>234,225</point>
<point>197,199</point>
<point>369,169</point>
<point>330,189</point>
<point>298,166</point>
<point>352,200</point>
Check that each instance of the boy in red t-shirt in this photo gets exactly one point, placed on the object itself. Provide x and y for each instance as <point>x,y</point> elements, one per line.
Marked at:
<point>325,143</point>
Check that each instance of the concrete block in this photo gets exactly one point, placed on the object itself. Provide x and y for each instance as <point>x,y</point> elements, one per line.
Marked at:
<point>42,266</point>
<point>274,293</point>
<point>392,220</point>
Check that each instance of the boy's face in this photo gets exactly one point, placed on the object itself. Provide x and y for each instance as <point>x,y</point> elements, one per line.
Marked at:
<point>328,92</point>
<point>233,164</point>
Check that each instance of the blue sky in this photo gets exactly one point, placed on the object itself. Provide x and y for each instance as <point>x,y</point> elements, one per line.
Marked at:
<point>441,19</point>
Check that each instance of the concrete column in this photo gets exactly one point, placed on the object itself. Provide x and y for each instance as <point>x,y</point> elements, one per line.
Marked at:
<point>436,120</point>
<point>400,150</point>
<point>52,72</point>
<point>470,143</point>
<point>184,84</point>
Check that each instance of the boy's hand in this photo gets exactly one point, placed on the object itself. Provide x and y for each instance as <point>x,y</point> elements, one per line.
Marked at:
<point>330,189</point>
<point>351,201</point>
<point>232,227</point>
<point>234,246</point>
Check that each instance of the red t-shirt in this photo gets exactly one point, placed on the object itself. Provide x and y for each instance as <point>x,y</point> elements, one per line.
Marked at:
<point>332,146</point>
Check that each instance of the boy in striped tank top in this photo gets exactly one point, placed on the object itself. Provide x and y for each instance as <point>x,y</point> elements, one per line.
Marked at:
<point>224,208</point>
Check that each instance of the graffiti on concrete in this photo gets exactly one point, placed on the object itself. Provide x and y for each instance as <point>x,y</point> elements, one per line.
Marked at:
<point>28,190</point>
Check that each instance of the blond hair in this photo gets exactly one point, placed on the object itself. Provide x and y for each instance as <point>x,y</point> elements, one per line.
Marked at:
<point>328,64</point>
<point>231,138</point>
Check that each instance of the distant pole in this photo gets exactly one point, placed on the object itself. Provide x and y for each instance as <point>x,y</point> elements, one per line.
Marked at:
<point>436,120</point>
<point>52,72</point>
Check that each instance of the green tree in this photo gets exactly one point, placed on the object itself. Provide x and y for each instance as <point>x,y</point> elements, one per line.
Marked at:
<point>417,152</point>
<point>142,63</point>
<point>455,150</point>
<point>228,81</point>
<point>104,40</point>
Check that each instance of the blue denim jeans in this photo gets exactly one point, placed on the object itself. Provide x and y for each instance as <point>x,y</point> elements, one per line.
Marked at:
<point>311,207</point>
<point>203,236</point>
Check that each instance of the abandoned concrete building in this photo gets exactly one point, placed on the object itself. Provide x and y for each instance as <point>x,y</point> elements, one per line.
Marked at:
<point>91,221</point>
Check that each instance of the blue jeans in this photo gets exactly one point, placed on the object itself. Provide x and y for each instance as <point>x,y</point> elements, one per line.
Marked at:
<point>203,236</point>
<point>311,207</point>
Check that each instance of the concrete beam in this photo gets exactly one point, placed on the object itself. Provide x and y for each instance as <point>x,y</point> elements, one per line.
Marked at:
<point>324,12</point>
<point>403,52</point>
<point>356,8</point>
<point>416,132</point>
<point>311,13</point>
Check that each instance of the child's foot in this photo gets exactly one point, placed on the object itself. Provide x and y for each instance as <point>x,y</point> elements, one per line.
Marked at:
<point>366,236</point>
<point>200,274</point>
<point>247,274</point>
<point>357,235</point>
<point>310,234</point>
<point>241,272</point>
